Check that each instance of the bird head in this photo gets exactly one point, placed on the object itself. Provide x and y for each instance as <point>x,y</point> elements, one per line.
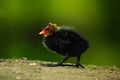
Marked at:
<point>49,29</point>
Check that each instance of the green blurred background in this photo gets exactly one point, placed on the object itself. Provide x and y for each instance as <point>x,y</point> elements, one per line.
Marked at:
<point>96,20</point>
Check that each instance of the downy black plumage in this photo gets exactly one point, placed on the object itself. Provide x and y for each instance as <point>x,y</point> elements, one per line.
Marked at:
<point>64,42</point>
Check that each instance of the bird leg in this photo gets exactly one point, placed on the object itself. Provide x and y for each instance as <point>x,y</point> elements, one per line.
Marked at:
<point>78,62</point>
<point>62,61</point>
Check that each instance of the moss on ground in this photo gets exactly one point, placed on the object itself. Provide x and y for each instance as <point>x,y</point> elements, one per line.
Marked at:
<point>23,69</point>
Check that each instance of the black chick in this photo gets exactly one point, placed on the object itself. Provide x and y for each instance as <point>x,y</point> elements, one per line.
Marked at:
<point>65,42</point>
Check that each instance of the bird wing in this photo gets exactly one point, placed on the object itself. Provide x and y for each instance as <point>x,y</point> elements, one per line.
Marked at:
<point>64,40</point>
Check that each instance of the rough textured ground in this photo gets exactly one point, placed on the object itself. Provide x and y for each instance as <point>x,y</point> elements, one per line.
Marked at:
<point>23,69</point>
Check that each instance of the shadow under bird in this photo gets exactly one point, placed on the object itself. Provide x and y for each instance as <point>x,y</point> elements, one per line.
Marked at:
<point>65,42</point>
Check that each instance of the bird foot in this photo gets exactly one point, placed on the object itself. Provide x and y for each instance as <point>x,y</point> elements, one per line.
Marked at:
<point>59,64</point>
<point>77,65</point>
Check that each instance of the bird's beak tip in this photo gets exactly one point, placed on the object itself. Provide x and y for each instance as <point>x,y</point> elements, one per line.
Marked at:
<point>40,33</point>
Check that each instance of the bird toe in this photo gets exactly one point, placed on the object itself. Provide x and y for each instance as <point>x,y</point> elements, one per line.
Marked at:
<point>79,65</point>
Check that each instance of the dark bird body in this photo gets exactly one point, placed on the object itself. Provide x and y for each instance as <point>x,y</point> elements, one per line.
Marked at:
<point>67,43</point>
